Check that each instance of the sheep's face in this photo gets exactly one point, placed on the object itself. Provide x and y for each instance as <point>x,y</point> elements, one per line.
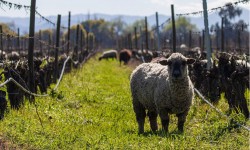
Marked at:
<point>177,65</point>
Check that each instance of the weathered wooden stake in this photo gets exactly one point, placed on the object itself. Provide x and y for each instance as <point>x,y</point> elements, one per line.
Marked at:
<point>217,40</point>
<point>1,41</point>
<point>146,33</point>
<point>18,41</point>
<point>8,44</point>
<point>57,47</point>
<point>68,34</point>
<point>158,32</point>
<point>173,29</point>
<point>31,49</point>
<point>136,40</point>
<point>81,39</point>
<point>199,40</point>
<point>77,38</point>
<point>190,39</point>
<point>239,42</point>
<point>41,46</point>
<point>49,37</point>
<point>141,39</point>
<point>87,41</point>
<point>129,41</point>
<point>222,34</point>
<point>203,40</point>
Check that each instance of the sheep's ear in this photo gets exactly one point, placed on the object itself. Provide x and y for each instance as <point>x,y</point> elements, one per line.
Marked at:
<point>163,62</point>
<point>190,61</point>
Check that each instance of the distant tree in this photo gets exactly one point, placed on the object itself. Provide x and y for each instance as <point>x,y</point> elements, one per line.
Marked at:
<point>229,12</point>
<point>129,29</point>
<point>183,25</point>
<point>7,30</point>
<point>73,35</point>
<point>137,23</point>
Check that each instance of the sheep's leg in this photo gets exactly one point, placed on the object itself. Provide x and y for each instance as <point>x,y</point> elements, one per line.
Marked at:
<point>153,120</point>
<point>164,119</point>
<point>140,113</point>
<point>243,107</point>
<point>181,120</point>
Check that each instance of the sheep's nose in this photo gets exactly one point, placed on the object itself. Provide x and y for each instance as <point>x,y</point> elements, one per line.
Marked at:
<point>176,73</point>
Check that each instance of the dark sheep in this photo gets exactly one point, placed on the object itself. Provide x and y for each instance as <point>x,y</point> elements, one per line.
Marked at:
<point>124,56</point>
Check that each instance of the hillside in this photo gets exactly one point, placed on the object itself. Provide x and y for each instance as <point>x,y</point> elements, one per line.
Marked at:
<point>23,23</point>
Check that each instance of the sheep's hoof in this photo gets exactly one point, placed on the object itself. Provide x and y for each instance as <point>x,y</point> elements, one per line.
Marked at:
<point>141,131</point>
<point>165,129</point>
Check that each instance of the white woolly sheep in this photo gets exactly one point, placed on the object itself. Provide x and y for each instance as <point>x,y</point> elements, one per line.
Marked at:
<point>162,89</point>
<point>109,54</point>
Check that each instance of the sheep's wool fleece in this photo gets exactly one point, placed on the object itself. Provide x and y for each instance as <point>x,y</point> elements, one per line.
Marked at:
<point>150,85</point>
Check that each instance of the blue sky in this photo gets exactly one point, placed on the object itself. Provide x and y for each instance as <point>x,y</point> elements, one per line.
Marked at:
<point>121,7</point>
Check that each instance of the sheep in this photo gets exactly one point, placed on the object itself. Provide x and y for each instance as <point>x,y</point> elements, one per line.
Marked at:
<point>125,56</point>
<point>109,54</point>
<point>162,89</point>
<point>13,56</point>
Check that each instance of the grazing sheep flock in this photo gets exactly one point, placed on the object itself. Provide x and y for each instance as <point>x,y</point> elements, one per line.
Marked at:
<point>162,89</point>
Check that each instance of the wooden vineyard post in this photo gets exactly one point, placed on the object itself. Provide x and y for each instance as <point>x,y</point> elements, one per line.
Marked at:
<point>81,40</point>
<point>31,49</point>
<point>18,41</point>
<point>77,43</point>
<point>199,40</point>
<point>158,32</point>
<point>57,47</point>
<point>239,42</point>
<point>1,41</point>
<point>190,39</point>
<point>129,41</point>
<point>49,37</point>
<point>222,34</point>
<point>68,34</point>
<point>141,40</point>
<point>146,33</point>
<point>173,29</point>
<point>203,40</point>
<point>41,46</point>
<point>136,40</point>
<point>87,41</point>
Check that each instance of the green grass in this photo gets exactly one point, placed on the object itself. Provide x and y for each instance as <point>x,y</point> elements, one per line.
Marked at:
<point>92,109</point>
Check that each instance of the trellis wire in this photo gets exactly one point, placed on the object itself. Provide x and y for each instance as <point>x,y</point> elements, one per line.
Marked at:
<point>39,40</point>
<point>18,6</point>
<point>61,75</point>
<point>217,110</point>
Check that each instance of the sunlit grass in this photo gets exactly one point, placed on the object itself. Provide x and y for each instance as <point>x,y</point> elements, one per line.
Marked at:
<point>92,109</point>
